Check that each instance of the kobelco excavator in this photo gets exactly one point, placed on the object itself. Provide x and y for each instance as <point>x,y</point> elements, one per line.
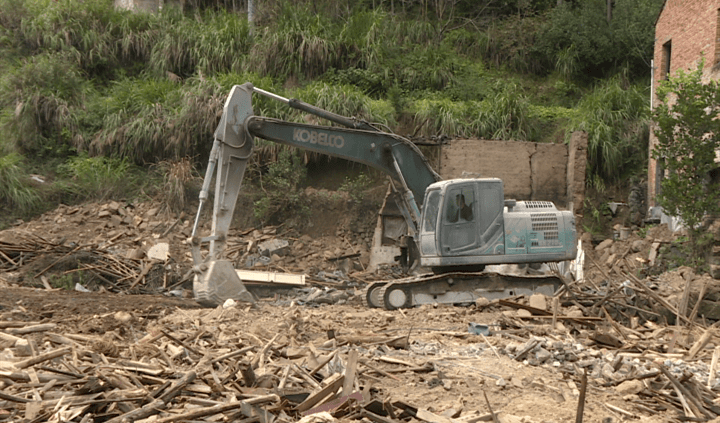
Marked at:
<point>456,227</point>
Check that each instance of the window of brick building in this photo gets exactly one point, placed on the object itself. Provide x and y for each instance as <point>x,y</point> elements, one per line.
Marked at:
<point>666,55</point>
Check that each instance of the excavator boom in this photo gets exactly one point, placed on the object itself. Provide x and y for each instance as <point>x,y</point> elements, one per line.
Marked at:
<point>215,278</point>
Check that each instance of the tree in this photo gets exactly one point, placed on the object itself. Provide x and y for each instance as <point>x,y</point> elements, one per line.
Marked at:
<point>688,133</point>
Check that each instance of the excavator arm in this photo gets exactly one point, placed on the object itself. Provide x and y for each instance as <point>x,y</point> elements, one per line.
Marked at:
<point>216,279</point>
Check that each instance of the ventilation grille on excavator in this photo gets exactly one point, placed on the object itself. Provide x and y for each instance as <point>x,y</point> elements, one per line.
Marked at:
<point>547,224</point>
<point>534,205</point>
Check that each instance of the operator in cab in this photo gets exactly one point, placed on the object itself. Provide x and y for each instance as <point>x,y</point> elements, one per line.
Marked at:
<point>462,212</point>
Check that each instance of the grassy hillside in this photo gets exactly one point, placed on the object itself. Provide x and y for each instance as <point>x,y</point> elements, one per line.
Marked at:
<point>97,99</point>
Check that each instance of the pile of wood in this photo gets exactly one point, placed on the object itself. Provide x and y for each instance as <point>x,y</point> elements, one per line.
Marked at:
<point>99,266</point>
<point>622,315</point>
<point>174,373</point>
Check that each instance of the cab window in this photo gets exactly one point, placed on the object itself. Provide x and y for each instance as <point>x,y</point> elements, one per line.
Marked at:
<point>460,204</point>
<point>432,207</point>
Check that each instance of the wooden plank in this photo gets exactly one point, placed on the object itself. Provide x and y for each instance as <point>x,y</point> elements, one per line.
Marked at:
<point>329,386</point>
<point>350,372</point>
<point>44,327</point>
<point>43,357</point>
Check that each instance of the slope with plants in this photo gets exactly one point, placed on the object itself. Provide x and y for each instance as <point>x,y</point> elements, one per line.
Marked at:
<point>85,86</point>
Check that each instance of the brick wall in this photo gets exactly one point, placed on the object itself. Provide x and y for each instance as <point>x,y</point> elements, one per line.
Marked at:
<point>529,171</point>
<point>686,29</point>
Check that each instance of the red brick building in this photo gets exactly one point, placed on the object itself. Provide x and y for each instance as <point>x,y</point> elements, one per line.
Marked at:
<point>685,31</point>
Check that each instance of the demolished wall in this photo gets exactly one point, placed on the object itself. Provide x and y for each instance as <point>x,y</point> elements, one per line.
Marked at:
<point>530,171</point>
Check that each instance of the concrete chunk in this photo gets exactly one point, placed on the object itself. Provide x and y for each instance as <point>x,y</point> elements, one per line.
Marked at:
<point>538,301</point>
<point>279,247</point>
<point>159,251</point>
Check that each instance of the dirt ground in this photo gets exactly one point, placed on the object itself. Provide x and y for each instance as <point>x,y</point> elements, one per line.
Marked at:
<point>466,368</point>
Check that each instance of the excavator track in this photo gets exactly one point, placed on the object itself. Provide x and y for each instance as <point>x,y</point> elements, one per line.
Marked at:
<point>456,288</point>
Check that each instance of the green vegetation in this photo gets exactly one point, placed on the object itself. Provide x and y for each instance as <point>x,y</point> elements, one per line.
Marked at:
<point>98,177</point>
<point>356,187</point>
<point>687,126</point>
<point>281,189</point>
<point>87,88</point>
<point>14,187</point>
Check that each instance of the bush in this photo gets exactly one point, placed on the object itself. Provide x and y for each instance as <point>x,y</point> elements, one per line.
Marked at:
<point>578,41</point>
<point>356,187</point>
<point>616,118</point>
<point>687,128</point>
<point>44,94</point>
<point>281,188</point>
<point>99,178</point>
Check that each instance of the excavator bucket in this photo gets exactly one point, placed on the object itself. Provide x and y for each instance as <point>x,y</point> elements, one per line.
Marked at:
<point>219,283</point>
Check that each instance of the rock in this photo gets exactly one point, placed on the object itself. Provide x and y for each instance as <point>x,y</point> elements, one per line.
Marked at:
<point>104,213</point>
<point>274,246</point>
<point>538,301</point>
<point>638,245</point>
<point>22,348</point>
<point>715,271</point>
<point>610,260</point>
<point>80,288</point>
<point>523,313</point>
<point>501,383</point>
<point>123,316</point>
<point>629,387</point>
<point>482,302</point>
<point>542,355</point>
<point>603,245</point>
<point>574,313</point>
<point>159,251</point>
<point>607,372</point>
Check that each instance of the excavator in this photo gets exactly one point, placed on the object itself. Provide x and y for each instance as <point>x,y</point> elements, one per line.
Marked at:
<point>454,227</point>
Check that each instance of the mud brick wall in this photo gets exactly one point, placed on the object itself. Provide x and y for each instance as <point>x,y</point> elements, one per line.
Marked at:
<point>530,171</point>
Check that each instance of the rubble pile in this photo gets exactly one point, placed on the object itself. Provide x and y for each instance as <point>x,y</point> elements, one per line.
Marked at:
<point>245,363</point>
<point>627,341</point>
<point>141,248</point>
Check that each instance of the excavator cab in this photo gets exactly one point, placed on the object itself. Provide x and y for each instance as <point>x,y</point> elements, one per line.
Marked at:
<point>467,224</point>
<point>463,218</point>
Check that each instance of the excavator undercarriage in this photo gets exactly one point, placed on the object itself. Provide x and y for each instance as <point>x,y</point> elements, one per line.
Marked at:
<point>456,288</point>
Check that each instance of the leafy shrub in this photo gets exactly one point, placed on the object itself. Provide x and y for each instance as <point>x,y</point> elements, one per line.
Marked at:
<point>99,178</point>
<point>281,188</point>
<point>615,116</point>
<point>503,116</point>
<point>687,125</point>
<point>578,41</point>
<point>356,187</point>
